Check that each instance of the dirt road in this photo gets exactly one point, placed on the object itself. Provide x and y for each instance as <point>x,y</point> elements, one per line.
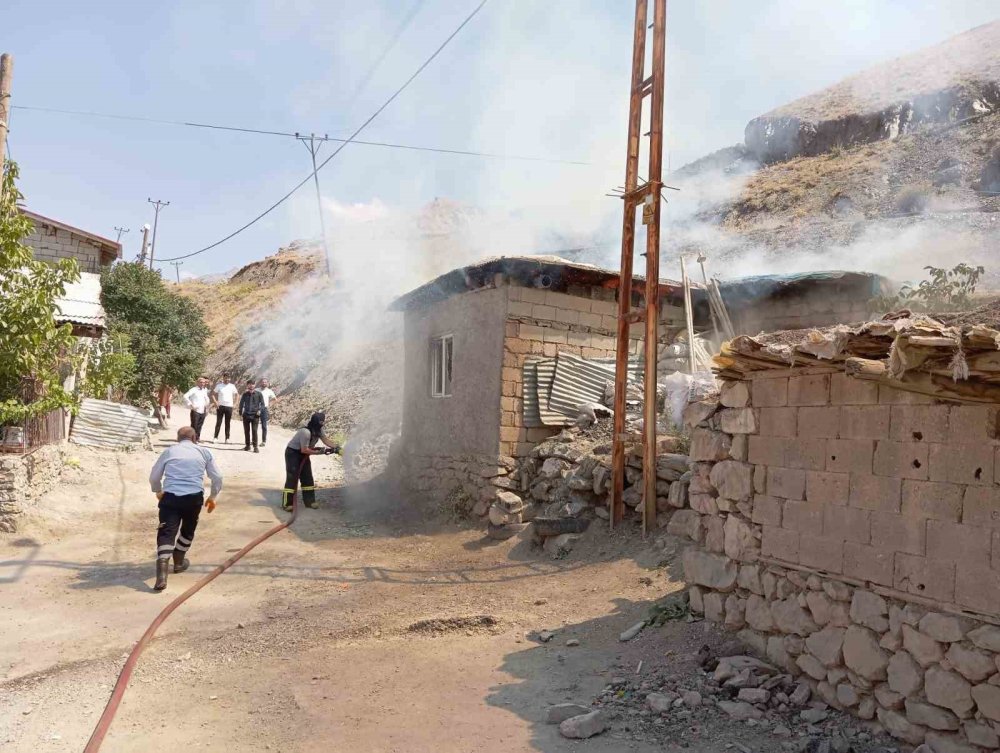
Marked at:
<point>318,640</point>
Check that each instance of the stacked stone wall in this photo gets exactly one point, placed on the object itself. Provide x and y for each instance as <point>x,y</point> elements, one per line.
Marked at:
<point>476,479</point>
<point>850,533</point>
<point>24,478</point>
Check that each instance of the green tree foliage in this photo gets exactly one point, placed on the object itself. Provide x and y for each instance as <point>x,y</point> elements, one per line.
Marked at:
<point>166,333</point>
<point>113,368</point>
<point>944,290</point>
<point>34,351</point>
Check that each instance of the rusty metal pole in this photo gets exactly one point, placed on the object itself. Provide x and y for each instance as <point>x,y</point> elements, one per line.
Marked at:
<point>653,266</point>
<point>625,277</point>
<point>6,75</point>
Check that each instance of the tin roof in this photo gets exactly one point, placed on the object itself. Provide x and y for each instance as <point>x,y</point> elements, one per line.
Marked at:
<point>101,423</point>
<point>525,269</point>
<point>82,302</point>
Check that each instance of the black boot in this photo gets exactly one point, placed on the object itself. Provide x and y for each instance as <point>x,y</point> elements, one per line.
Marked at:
<point>162,568</point>
<point>181,563</point>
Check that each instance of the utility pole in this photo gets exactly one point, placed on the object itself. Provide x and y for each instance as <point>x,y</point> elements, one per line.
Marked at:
<point>647,196</point>
<point>177,269</point>
<point>313,147</point>
<point>6,74</point>
<point>120,231</point>
<point>156,217</point>
<point>145,244</point>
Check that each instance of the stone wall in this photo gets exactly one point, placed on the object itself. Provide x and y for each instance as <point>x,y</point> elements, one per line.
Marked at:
<point>24,478</point>
<point>475,480</point>
<point>49,243</point>
<point>846,530</point>
<point>820,308</point>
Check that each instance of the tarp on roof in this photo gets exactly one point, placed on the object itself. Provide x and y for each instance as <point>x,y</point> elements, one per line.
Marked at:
<point>101,423</point>
<point>82,302</point>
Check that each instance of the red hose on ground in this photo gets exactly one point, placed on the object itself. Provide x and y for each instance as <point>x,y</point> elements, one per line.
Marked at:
<point>104,723</point>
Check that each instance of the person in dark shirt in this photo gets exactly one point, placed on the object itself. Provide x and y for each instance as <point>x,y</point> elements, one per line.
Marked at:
<point>298,465</point>
<point>251,404</point>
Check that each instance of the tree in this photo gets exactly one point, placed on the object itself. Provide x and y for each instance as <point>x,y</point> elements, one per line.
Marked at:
<point>165,331</point>
<point>945,290</point>
<point>112,370</point>
<point>34,349</point>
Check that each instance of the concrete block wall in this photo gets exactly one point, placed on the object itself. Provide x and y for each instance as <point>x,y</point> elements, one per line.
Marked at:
<point>52,244</point>
<point>864,551</point>
<point>801,311</point>
<point>24,478</point>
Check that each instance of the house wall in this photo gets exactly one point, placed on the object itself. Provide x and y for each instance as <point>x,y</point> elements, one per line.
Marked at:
<point>51,244</point>
<point>821,305</point>
<point>851,533</point>
<point>24,478</point>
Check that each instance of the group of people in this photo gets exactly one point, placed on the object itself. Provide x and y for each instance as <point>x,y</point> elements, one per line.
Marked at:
<point>252,406</point>
<point>177,480</point>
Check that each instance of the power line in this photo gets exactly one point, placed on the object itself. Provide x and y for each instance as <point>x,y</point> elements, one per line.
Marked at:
<point>265,132</point>
<point>340,148</point>
<point>414,10</point>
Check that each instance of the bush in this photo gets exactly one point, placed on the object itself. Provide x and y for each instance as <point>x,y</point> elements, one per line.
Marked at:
<point>944,290</point>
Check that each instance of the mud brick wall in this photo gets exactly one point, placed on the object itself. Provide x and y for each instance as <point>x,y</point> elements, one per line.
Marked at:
<point>24,478</point>
<point>850,533</point>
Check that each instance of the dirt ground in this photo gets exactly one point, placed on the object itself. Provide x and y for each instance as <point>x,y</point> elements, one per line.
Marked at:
<point>369,626</point>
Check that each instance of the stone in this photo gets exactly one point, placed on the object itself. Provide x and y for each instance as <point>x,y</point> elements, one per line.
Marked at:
<point>870,609</point>
<point>730,666</point>
<point>866,708</point>
<point>813,716</point>
<point>562,711</point>
<point>801,695</point>
<point>811,666</point>
<point>905,675</point>
<point>921,647</point>
<point>500,517</point>
<point>836,590</point>
<point>891,643</point>
<point>739,542</point>
<point>981,734</point>
<point>987,698</point>
<point>974,665</point>
<point>699,412</point>
<point>504,532</point>
<point>704,503</point>
<point>930,716</point>
<point>839,616</point>
<point>737,421</point>
<point>561,545</point>
<point>749,578</point>
<point>887,697</point>
<point>754,695</point>
<point>708,445</point>
<point>794,644</point>
<point>661,702</point>
<point>847,695</point>
<point>828,693</point>
<point>819,607</point>
<point>710,570</point>
<point>735,612</point>
<point>826,645</point>
<point>554,468</point>
<point>943,743</point>
<point>949,690</point>
<point>714,606</point>
<point>686,523</point>
<point>863,655</point>
<point>946,628</point>
<point>900,727</point>
<point>753,640</point>
<point>987,637</point>
<point>678,495</point>
<point>715,534</point>
<point>584,726</point>
<point>790,617</point>
<point>691,698</point>
<point>734,394</point>
<point>740,710</point>
<point>632,632</point>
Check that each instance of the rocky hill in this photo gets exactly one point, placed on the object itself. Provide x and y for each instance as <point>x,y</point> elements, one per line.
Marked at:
<point>891,169</point>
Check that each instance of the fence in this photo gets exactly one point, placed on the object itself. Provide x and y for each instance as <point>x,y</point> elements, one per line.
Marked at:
<point>33,433</point>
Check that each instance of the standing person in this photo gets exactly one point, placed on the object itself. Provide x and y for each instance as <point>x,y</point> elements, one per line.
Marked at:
<point>251,403</point>
<point>224,395</point>
<point>178,481</point>
<point>265,414</point>
<point>197,400</point>
<point>298,466</point>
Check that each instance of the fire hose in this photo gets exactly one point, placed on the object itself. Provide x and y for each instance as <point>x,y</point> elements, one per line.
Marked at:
<point>118,692</point>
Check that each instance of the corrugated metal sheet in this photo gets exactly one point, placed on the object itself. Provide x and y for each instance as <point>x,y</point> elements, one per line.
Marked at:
<point>82,302</point>
<point>529,394</point>
<point>546,373</point>
<point>104,424</point>
<point>577,382</point>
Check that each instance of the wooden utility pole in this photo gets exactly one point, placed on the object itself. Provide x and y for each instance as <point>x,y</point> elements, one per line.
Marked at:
<point>648,197</point>
<point>177,269</point>
<point>145,244</point>
<point>156,219</point>
<point>6,75</point>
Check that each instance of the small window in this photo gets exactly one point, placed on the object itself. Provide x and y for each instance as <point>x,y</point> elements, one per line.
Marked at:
<point>441,354</point>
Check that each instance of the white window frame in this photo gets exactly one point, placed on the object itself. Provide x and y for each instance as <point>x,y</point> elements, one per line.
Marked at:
<point>442,356</point>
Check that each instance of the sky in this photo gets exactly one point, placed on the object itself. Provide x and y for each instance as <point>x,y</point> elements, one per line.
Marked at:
<point>525,77</point>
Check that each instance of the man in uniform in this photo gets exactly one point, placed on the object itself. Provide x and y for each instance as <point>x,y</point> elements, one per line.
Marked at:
<point>298,465</point>
<point>178,481</point>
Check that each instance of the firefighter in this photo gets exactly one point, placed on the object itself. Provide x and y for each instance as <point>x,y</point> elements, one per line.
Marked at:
<point>298,465</point>
<point>178,481</point>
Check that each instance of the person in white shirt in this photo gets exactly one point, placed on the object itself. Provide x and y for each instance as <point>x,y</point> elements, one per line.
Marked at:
<point>197,400</point>
<point>269,397</point>
<point>224,395</point>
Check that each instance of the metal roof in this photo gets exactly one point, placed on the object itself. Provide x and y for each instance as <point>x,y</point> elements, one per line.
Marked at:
<point>525,269</point>
<point>82,302</point>
<point>101,423</point>
<point>106,243</point>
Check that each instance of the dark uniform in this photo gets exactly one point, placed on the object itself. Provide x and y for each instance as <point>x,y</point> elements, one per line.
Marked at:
<point>297,462</point>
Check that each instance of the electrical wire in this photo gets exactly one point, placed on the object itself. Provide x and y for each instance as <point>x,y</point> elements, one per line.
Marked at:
<point>414,10</point>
